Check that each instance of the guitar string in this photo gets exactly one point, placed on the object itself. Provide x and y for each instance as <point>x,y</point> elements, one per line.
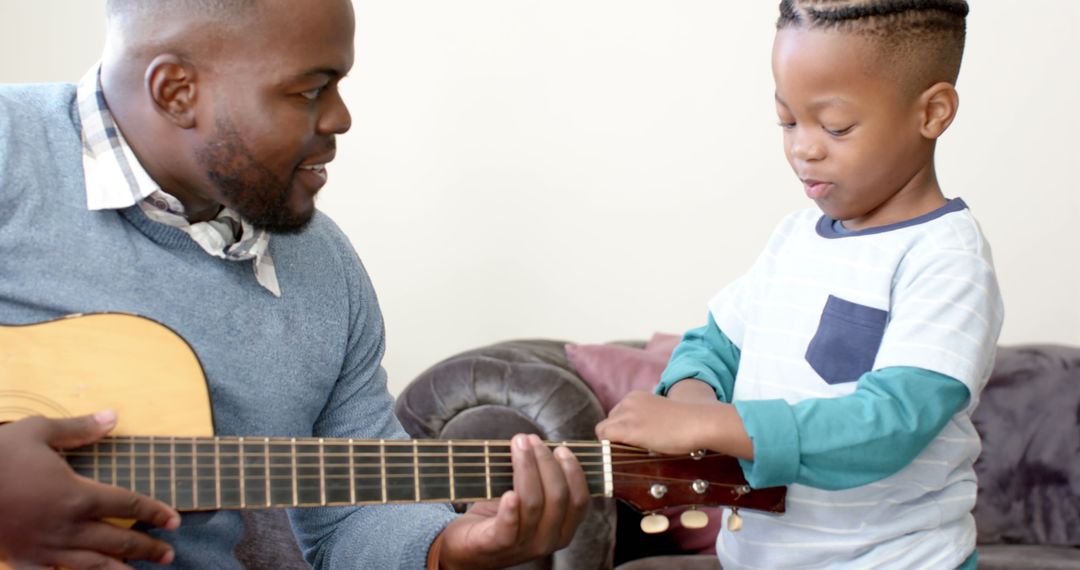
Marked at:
<point>186,450</point>
<point>309,441</point>
<point>252,460</point>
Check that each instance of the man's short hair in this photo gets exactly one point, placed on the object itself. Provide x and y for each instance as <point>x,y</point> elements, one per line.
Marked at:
<point>198,7</point>
<point>921,42</point>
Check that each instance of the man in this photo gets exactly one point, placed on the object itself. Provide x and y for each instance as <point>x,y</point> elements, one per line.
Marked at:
<point>177,181</point>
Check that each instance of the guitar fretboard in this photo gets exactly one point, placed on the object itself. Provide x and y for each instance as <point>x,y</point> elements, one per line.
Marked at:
<point>209,473</point>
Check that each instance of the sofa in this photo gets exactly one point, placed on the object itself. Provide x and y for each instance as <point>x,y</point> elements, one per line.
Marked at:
<point>1027,511</point>
<point>1028,506</point>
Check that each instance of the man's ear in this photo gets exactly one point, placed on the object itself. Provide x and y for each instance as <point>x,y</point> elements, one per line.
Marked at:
<point>173,88</point>
<point>938,106</point>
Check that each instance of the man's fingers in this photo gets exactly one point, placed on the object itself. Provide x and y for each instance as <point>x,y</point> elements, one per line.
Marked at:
<point>527,484</point>
<point>556,497</point>
<point>507,528</point>
<point>579,494</point>
<point>85,560</point>
<point>114,502</point>
<point>122,543</point>
<point>67,433</point>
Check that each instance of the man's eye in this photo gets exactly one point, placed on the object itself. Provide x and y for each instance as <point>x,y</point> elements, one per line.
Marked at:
<point>839,132</point>
<point>312,94</point>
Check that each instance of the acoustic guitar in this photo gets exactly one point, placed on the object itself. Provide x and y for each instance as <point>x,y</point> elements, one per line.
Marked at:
<point>84,363</point>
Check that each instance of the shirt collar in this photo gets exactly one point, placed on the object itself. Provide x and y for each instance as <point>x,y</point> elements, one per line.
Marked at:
<point>115,180</point>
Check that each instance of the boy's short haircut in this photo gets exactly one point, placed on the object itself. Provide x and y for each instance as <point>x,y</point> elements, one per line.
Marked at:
<point>920,42</point>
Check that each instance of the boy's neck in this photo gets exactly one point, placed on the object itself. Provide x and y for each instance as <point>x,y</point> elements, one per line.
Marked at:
<point>920,196</point>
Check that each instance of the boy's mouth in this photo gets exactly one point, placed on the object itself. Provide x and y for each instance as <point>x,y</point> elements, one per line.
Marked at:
<point>815,188</point>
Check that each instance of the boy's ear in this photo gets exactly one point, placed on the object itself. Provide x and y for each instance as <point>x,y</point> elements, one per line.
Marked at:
<point>938,106</point>
<point>172,87</point>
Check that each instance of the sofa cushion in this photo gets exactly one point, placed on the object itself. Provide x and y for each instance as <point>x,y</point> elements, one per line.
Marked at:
<point>614,370</point>
<point>1028,557</point>
<point>1029,470</point>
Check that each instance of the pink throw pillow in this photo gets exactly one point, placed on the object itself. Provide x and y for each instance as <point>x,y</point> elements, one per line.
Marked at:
<point>613,371</point>
<point>663,343</point>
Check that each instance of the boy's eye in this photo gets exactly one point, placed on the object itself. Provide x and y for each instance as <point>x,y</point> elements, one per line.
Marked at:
<point>312,94</point>
<point>839,132</point>
<point>787,125</point>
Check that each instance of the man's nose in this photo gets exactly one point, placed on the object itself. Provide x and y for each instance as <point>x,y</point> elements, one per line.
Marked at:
<point>336,120</point>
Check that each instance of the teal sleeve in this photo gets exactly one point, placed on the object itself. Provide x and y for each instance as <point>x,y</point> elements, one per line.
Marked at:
<point>845,442</point>
<point>706,354</point>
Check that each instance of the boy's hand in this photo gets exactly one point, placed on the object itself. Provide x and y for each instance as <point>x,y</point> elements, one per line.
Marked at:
<point>49,516</point>
<point>539,516</point>
<point>675,427</point>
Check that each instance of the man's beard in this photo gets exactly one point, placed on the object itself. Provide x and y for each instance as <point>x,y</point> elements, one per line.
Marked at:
<point>248,187</point>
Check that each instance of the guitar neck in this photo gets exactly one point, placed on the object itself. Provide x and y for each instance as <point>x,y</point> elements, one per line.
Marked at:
<point>211,473</point>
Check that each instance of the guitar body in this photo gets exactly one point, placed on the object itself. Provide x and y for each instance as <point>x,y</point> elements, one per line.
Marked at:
<point>83,364</point>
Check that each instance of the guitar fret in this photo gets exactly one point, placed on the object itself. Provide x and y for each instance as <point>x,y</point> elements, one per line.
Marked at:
<point>217,475</point>
<point>153,468</point>
<point>243,473</point>
<point>195,475</point>
<point>96,456</point>
<point>295,491</point>
<point>608,486</point>
<point>266,449</point>
<point>450,466</point>
<point>352,473</point>
<point>382,467</point>
<point>172,469</point>
<point>416,469</point>
<point>114,479</point>
<point>322,473</point>
<point>487,467</point>
<point>132,462</point>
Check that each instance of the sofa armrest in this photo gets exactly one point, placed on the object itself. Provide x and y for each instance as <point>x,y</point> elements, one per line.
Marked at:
<point>1029,470</point>
<point>494,392</point>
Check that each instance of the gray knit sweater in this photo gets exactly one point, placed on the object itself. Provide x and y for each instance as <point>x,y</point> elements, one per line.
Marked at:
<point>305,364</point>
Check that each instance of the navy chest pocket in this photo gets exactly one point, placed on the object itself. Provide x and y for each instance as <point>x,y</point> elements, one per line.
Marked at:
<point>847,340</point>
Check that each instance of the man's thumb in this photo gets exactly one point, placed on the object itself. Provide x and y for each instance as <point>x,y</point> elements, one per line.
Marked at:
<point>67,433</point>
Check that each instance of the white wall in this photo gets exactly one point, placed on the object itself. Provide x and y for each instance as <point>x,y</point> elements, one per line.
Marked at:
<point>595,169</point>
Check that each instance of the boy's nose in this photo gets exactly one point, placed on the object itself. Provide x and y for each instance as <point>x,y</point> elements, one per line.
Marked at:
<point>805,146</point>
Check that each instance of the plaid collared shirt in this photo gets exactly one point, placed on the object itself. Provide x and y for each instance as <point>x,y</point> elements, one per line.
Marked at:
<point>115,179</point>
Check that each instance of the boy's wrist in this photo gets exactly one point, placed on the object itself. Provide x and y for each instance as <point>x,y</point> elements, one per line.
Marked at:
<point>691,390</point>
<point>724,432</point>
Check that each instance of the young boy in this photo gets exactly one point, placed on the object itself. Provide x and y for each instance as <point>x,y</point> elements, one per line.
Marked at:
<point>848,360</point>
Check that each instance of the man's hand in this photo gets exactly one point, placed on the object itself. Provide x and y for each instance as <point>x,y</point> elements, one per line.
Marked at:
<point>49,516</point>
<point>690,420</point>
<point>539,516</point>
